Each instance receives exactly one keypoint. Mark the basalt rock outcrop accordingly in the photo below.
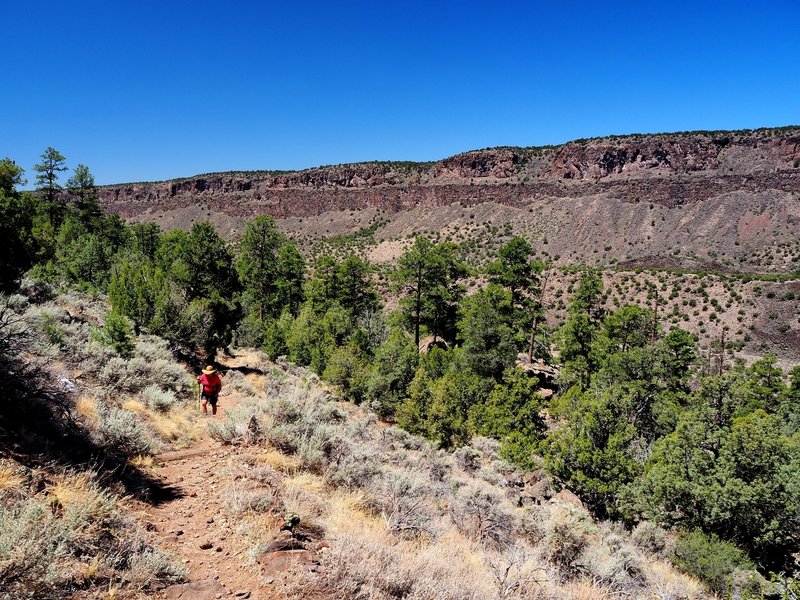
(727, 199)
(670, 169)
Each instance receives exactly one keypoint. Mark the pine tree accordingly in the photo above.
(257, 264)
(427, 277)
(83, 191)
(53, 163)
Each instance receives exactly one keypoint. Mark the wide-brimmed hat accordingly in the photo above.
(209, 370)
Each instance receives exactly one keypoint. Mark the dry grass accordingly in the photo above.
(135, 406)
(11, 477)
(305, 481)
(179, 425)
(283, 463)
(586, 590)
(86, 407)
(142, 462)
(668, 584)
(349, 513)
(75, 491)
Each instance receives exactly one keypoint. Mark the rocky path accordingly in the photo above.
(194, 527)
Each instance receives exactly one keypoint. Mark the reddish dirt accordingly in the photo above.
(194, 525)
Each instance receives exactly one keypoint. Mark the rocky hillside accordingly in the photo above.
(725, 199)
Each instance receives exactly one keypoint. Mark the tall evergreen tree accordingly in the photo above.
(486, 331)
(47, 173)
(11, 176)
(520, 274)
(427, 278)
(257, 264)
(290, 275)
(578, 334)
(355, 290)
(82, 190)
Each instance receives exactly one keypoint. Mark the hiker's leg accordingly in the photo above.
(214, 407)
(205, 404)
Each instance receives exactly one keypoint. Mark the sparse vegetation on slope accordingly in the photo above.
(71, 433)
(407, 520)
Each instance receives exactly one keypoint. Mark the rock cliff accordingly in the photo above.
(670, 169)
(727, 176)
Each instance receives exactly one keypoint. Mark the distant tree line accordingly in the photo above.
(634, 428)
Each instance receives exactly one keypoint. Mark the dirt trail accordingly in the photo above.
(194, 526)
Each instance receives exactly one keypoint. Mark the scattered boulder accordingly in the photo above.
(285, 560)
(546, 373)
(195, 590)
(536, 488)
(283, 544)
(297, 547)
(567, 497)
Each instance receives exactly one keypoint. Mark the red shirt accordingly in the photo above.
(211, 383)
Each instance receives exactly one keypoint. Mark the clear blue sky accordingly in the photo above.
(151, 90)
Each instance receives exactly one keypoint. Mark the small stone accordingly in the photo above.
(206, 546)
(242, 594)
(179, 532)
(218, 549)
(210, 520)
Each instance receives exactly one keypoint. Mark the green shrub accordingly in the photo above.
(51, 329)
(170, 375)
(709, 558)
(158, 399)
(153, 565)
(118, 333)
(565, 532)
(650, 537)
(123, 431)
(125, 375)
(347, 370)
(152, 348)
(137, 373)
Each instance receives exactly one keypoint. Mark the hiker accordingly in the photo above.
(210, 385)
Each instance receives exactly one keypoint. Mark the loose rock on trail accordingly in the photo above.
(193, 524)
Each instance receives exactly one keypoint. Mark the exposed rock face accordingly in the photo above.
(668, 169)
(734, 177)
